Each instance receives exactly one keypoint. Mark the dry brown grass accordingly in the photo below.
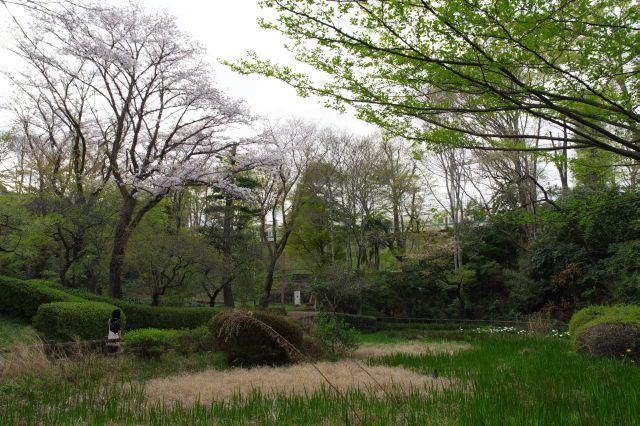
(433, 348)
(24, 358)
(214, 385)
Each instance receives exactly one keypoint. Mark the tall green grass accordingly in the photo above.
(503, 380)
(14, 331)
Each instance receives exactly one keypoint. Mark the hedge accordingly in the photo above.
(142, 316)
(243, 340)
(66, 321)
(607, 331)
(21, 298)
(163, 317)
(359, 322)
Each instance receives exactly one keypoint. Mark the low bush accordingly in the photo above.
(243, 337)
(612, 331)
(21, 298)
(66, 321)
(149, 342)
(335, 336)
(359, 322)
(195, 340)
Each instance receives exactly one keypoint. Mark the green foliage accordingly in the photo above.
(150, 342)
(14, 331)
(242, 336)
(21, 298)
(145, 316)
(454, 47)
(141, 316)
(585, 315)
(275, 310)
(359, 322)
(335, 336)
(67, 321)
(194, 340)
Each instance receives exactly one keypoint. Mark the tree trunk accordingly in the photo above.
(268, 283)
(155, 299)
(120, 240)
(226, 251)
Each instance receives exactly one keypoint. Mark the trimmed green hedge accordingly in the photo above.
(164, 317)
(66, 321)
(359, 322)
(21, 298)
(243, 340)
(142, 316)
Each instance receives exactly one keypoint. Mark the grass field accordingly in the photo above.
(14, 332)
(491, 380)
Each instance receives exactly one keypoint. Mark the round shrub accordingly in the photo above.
(243, 337)
(67, 321)
(21, 298)
(611, 331)
(150, 342)
(610, 340)
(590, 313)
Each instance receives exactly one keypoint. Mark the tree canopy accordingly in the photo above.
(439, 71)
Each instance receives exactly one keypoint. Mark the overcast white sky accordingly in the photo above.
(227, 28)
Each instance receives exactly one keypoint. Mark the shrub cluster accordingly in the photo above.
(66, 321)
(149, 342)
(359, 322)
(194, 340)
(335, 336)
(21, 298)
(153, 342)
(611, 331)
(243, 337)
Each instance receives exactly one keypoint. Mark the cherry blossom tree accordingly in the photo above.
(143, 100)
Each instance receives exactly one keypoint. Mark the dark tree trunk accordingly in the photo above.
(268, 283)
(214, 296)
(120, 240)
